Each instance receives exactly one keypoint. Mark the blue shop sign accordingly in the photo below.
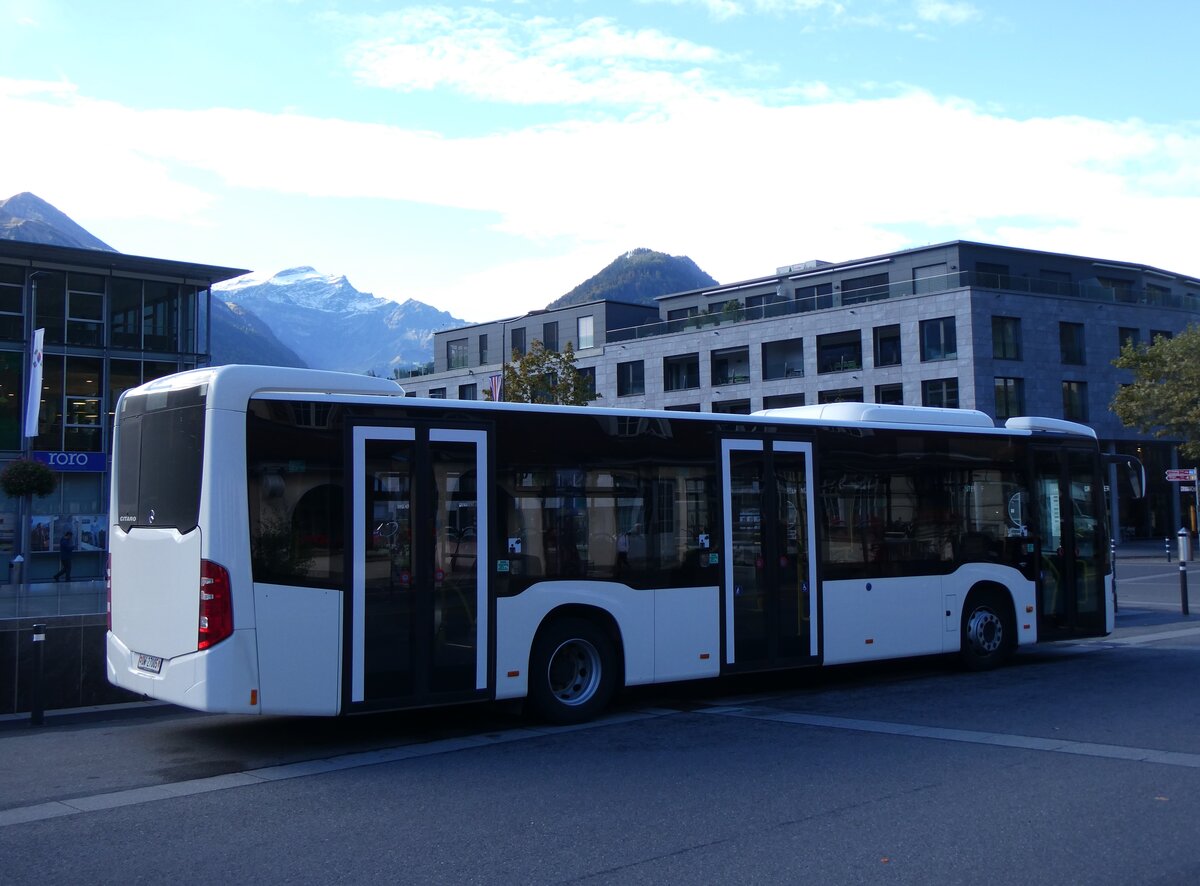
(73, 461)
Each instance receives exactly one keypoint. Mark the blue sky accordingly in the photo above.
(486, 157)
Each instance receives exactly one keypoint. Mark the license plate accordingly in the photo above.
(151, 663)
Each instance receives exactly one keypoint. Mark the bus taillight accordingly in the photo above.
(216, 605)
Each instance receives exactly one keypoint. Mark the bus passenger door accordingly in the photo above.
(1073, 553)
(770, 565)
(419, 611)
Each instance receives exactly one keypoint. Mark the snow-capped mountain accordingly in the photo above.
(331, 325)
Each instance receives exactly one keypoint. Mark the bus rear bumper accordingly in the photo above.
(193, 680)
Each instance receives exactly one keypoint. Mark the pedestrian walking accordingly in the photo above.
(66, 547)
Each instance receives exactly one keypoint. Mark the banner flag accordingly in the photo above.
(495, 381)
(33, 399)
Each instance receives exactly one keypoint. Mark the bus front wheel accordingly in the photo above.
(572, 673)
(988, 631)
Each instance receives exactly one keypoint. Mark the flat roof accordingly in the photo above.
(43, 254)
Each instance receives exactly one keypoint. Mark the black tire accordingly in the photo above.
(989, 631)
(572, 671)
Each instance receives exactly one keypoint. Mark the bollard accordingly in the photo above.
(1185, 544)
(1183, 600)
(36, 712)
(1112, 559)
(1167, 546)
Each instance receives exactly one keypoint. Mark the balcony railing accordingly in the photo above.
(943, 283)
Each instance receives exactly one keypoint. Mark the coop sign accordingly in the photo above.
(72, 461)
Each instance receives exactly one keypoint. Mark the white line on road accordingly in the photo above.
(1149, 638)
(999, 739)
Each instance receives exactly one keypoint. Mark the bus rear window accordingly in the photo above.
(160, 451)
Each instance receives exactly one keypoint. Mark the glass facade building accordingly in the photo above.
(110, 322)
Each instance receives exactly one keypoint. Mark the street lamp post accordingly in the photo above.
(33, 394)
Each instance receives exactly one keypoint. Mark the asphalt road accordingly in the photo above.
(1079, 763)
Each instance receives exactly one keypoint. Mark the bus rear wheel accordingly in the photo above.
(572, 672)
(989, 633)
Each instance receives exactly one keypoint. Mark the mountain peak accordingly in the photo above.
(639, 276)
(29, 218)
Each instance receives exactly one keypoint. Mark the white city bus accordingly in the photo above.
(301, 542)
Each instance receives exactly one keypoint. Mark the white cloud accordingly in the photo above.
(740, 185)
(947, 12)
(490, 56)
(727, 9)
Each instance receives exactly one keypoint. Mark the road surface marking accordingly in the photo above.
(998, 739)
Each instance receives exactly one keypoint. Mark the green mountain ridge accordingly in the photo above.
(639, 276)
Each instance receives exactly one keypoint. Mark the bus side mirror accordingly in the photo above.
(1134, 470)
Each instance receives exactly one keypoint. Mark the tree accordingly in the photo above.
(1164, 398)
(545, 376)
(27, 477)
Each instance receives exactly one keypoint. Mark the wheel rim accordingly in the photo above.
(574, 672)
(985, 631)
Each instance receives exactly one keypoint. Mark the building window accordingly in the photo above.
(1122, 290)
(841, 395)
(12, 287)
(684, 407)
(631, 378)
(731, 366)
(783, 401)
(938, 340)
(437, 393)
(125, 313)
(83, 426)
(517, 337)
(160, 316)
(860, 289)
(468, 392)
(12, 398)
(890, 394)
(1075, 405)
(812, 298)
(1156, 334)
(85, 309)
(783, 359)
(941, 392)
(1006, 338)
(1052, 283)
(1127, 335)
(682, 313)
(991, 275)
(1070, 342)
(1010, 398)
(887, 345)
(731, 407)
(839, 351)
(681, 373)
(587, 381)
(930, 278)
(483, 349)
(456, 354)
(550, 335)
(585, 329)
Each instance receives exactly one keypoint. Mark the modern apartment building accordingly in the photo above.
(1003, 330)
